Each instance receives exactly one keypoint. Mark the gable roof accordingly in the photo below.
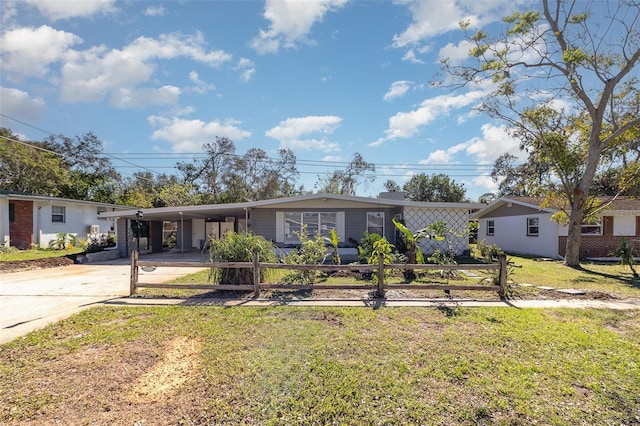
(319, 200)
(618, 204)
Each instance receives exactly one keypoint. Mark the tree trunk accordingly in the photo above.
(572, 251)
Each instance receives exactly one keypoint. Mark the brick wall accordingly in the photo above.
(21, 229)
(597, 246)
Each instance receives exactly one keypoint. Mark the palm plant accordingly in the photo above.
(626, 253)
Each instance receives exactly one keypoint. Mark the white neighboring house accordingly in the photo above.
(519, 225)
(28, 220)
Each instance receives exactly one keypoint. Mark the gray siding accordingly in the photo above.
(263, 222)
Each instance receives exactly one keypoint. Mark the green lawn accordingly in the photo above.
(16, 255)
(355, 366)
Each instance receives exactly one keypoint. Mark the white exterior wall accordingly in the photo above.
(78, 218)
(511, 235)
(4, 221)
(456, 219)
(197, 232)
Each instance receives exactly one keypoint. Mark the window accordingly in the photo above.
(101, 210)
(12, 212)
(491, 227)
(533, 226)
(375, 223)
(314, 221)
(57, 214)
(592, 227)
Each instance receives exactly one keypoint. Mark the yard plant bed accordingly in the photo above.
(357, 366)
(25, 265)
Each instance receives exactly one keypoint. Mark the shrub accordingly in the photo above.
(365, 248)
(312, 251)
(235, 247)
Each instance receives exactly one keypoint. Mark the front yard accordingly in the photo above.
(212, 365)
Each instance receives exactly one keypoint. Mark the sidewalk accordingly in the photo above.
(377, 303)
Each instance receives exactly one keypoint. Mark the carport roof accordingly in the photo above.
(320, 200)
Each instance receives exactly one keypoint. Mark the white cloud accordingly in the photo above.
(427, 24)
(455, 53)
(290, 22)
(494, 142)
(28, 52)
(397, 89)
(155, 10)
(140, 98)
(293, 133)
(90, 75)
(189, 135)
(485, 181)
(16, 103)
(246, 68)
(436, 17)
(56, 9)
(200, 86)
(407, 124)
(410, 56)
(439, 156)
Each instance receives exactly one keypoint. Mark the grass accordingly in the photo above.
(357, 366)
(597, 278)
(17, 255)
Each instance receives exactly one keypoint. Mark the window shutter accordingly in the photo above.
(607, 225)
(279, 227)
(340, 225)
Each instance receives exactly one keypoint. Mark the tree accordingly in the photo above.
(528, 179)
(346, 181)
(92, 177)
(392, 186)
(435, 188)
(29, 167)
(567, 53)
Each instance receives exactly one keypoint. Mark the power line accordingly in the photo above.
(124, 157)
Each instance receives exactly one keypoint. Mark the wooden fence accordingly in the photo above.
(380, 287)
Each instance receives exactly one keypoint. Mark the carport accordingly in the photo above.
(194, 224)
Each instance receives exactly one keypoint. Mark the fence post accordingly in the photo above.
(381, 275)
(133, 282)
(502, 277)
(256, 274)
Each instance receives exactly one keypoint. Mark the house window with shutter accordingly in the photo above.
(315, 222)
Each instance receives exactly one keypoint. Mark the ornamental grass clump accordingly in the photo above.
(234, 247)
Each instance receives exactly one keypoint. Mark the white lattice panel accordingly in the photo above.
(456, 219)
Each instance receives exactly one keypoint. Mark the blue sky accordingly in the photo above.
(325, 78)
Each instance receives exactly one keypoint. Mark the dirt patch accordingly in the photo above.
(26, 265)
(179, 364)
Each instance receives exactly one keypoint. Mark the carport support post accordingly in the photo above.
(381, 275)
(133, 288)
(256, 274)
(502, 277)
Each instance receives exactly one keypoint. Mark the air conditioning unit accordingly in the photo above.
(93, 229)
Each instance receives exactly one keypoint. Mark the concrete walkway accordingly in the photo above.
(428, 303)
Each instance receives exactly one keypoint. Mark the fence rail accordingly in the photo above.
(378, 269)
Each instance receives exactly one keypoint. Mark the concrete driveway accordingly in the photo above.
(33, 299)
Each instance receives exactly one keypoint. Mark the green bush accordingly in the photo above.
(233, 247)
(365, 248)
(312, 251)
